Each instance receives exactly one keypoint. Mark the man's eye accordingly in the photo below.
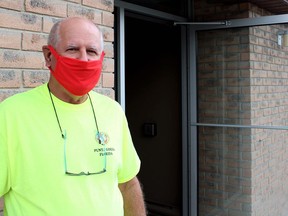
(71, 49)
(92, 52)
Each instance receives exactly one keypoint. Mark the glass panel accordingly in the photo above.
(176, 7)
(242, 80)
(243, 76)
(242, 171)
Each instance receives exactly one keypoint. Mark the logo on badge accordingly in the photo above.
(102, 138)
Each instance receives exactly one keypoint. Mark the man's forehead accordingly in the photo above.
(78, 22)
(74, 35)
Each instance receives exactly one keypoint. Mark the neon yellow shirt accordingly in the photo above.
(32, 173)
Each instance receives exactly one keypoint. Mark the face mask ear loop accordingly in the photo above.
(53, 51)
(102, 55)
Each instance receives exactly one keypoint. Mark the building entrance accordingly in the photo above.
(153, 108)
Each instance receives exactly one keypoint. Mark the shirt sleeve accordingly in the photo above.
(130, 159)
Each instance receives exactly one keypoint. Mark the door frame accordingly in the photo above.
(122, 8)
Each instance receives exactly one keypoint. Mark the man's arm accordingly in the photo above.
(133, 198)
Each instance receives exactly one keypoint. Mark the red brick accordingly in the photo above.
(20, 59)
(10, 39)
(35, 78)
(109, 50)
(108, 80)
(91, 14)
(99, 84)
(105, 91)
(108, 33)
(5, 93)
(75, 1)
(107, 19)
(13, 5)
(10, 79)
(49, 7)
(33, 41)
(107, 5)
(48, 22)
(108, 65)
(24, 21)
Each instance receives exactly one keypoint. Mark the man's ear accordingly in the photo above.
(47, 55)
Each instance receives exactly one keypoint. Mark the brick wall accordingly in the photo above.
(242, 79)
(269, 79)
(24, 29)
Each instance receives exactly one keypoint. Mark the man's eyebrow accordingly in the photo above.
(93, 47)
(71, 46)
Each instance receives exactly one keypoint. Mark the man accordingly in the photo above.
(64, 149)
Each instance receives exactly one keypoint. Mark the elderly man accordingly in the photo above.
(64, 149)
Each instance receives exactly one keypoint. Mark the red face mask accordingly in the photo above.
(76, 76)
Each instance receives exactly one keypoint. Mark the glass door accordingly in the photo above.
(242, 117)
